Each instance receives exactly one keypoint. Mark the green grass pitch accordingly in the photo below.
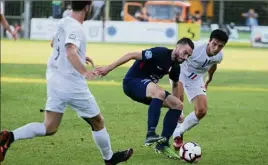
(234, 132)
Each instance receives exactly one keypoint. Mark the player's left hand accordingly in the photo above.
(89, 60)
(102, 70)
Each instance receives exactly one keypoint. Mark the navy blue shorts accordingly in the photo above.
(135, 88)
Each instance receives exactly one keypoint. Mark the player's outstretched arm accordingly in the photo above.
(211, 71)
(73, 57)
(6, 24)
(124, 59)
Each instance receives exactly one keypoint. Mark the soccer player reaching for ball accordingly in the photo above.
(140, 84)
(66, 85)
(204, 59)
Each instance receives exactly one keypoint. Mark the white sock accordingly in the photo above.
(189, 122)
(176, 132)
(178, 124)
(29, 131)
(102, 139)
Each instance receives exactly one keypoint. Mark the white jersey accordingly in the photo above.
(199, 63)
(1, 8)
(61, 75)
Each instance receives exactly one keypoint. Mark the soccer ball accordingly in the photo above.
(190, 152)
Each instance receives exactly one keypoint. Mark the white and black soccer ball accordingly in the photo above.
(190, 152)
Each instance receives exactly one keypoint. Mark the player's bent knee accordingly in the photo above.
(181, 119)
(177, 104)
(201, 112)
(160, 94)
(173, 102)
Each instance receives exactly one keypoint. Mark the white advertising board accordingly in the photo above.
(44, 29)
(94, 31)
(259, 36)
(141, 32)
(114, 31)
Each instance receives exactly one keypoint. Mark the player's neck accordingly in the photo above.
(79, 16)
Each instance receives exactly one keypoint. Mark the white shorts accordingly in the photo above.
(83, 103)
(191, 87)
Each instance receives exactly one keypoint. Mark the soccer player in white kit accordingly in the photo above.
(66, 85)
(5, 23)
(205, 58)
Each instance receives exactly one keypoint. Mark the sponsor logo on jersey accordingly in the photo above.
(148, 54)
(72, 36)
(158, 67)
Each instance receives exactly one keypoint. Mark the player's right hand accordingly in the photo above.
(14, 35)
(90, 75)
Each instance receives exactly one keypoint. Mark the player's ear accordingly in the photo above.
(88, 8)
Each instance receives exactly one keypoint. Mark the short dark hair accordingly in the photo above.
(185, 40)
(80, 5)
(219, 35)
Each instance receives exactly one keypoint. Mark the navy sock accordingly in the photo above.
(153, 115)
(170, 122)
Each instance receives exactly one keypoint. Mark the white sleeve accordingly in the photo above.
(73, 37)
(1, 8)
